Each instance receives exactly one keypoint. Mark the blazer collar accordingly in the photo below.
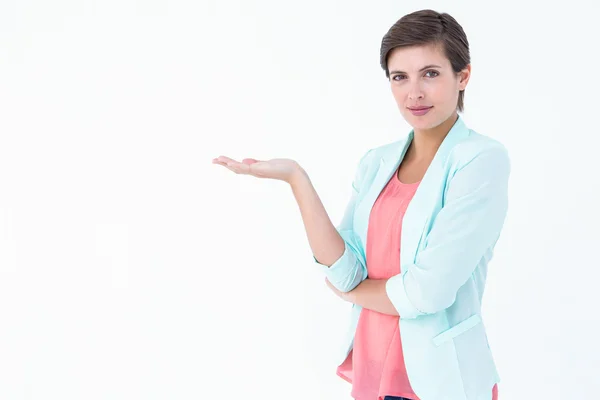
(393, 155)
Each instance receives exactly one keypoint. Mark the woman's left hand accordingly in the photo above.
(342, 295)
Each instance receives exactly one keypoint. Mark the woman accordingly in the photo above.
(412, 249)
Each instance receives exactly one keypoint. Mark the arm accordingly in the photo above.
(335, 250)
(325, 241)
(468, 224)
(339, 249)
(371, 294)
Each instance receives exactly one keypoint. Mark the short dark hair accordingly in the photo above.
(427, 27)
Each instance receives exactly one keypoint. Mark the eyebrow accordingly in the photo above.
(422, 69)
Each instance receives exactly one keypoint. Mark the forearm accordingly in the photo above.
(325, 242)
(371, 294)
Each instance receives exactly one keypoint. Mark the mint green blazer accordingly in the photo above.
(449, 232)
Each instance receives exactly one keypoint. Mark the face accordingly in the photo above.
(424, 85)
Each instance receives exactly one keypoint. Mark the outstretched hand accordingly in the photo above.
(283, 169)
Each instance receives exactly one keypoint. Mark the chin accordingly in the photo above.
(424, 122)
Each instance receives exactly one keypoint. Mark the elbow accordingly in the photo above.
(434, 302)
(348, 282)
(413, 300)
(346, 272)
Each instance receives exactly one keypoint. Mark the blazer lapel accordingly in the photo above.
(388, 164)
(427, 195)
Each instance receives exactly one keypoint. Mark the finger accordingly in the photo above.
(232, 165)
(225, 159)
(221, 161)
(228, 166)
(224, 164)
(329, 284)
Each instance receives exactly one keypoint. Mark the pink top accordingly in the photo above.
(375, 366)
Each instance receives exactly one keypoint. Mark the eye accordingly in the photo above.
(435, 73)
(398, 76)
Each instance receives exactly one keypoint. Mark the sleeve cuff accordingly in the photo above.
(396, 292)
(345, 273)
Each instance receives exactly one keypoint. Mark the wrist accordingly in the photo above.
(297, 176)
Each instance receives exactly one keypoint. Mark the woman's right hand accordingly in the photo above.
(283, 169)
(325, 241)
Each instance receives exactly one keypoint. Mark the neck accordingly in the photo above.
(426, 141)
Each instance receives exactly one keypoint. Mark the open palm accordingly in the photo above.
(283, 169)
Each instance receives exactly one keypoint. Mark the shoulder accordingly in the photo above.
(370, 161)
(375, 154)
(478, 164)
(481, 148)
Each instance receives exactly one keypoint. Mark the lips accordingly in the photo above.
(418, 111)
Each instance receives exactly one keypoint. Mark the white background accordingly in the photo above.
(133, 268)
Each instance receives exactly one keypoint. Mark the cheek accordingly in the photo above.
(443, 93)
(401, 99)
(435, 90)
(398, 93)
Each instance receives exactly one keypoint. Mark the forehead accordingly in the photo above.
(413, 58)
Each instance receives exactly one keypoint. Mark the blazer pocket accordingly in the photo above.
(457, 329)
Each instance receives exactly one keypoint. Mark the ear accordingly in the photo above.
(464, 76)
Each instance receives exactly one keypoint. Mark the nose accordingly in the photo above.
(415, 92)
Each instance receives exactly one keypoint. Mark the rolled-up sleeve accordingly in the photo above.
(350, 269)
